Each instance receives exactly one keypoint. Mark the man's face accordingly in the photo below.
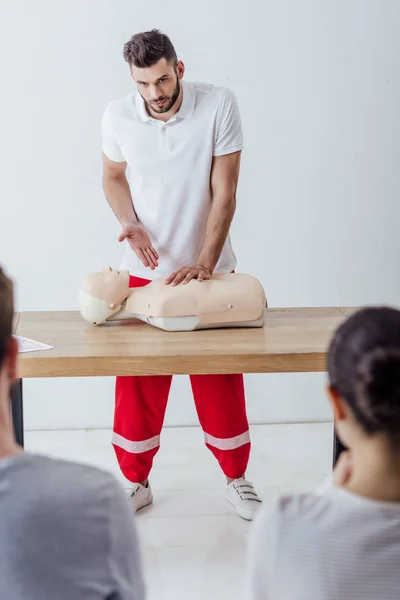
(159, 85)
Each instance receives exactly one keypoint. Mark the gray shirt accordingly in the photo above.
(66, 533)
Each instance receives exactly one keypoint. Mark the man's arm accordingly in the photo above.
(224, 180)
(118, 194)
(117, 191)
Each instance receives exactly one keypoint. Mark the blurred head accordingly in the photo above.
(8, 344)
(364, 376)
(155, 69)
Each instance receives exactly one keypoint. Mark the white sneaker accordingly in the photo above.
(141, 496)
(242, 495)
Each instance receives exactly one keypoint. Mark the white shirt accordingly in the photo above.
(169, 167)
(335, 546)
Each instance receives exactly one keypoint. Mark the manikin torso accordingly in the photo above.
(226, 300)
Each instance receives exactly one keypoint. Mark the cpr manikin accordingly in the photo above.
(226, 300)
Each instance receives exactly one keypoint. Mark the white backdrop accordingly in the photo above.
(318, 203)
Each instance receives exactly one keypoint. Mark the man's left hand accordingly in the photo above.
(186, 274)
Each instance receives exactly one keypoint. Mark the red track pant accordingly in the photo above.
(140, 405)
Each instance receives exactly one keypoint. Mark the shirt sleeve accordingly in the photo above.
(260, 578)
(229, 135)
(125, 558)
(110, 144)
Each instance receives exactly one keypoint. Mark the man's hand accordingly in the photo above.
(140, 242)
(343, 470)
(186, 274)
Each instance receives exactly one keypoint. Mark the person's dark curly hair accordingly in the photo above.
(364, 368)
(146, 49)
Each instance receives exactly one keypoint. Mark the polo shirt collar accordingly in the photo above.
(188, 101)
(186, 110)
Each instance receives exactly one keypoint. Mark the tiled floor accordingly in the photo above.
(193, 545)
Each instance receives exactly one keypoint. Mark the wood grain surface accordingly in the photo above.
(293, 340)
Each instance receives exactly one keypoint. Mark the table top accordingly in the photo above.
(292, 340)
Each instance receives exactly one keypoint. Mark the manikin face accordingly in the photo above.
(159, 85)
(108, 284)
(112, 277)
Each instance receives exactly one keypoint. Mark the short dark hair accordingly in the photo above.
(364, 368)
(6, 314)
(147, 48)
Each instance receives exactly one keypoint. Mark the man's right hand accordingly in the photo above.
(139, 240)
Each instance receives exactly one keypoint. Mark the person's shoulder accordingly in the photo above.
(295, 506)
(291, 508)
(71, 482)
(214, 93)
(123, 107)
(288, 519)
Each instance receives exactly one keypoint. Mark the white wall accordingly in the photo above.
(318, 86)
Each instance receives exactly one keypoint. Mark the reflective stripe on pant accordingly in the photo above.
(140, 405)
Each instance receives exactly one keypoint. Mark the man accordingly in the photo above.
(171, 157)
(66, 531)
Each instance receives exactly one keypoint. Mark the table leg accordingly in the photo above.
(17, 408)
(337, 448)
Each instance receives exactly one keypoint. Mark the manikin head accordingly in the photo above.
(8, 354)
(102, 294)
(364, 378)
(156, 71)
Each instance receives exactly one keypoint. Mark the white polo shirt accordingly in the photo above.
(168, 170)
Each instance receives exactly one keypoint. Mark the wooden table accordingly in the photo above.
(293, 340)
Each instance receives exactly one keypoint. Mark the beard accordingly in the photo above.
(170, 101)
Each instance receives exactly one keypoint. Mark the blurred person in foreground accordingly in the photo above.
(66, 530)
(344, 541)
